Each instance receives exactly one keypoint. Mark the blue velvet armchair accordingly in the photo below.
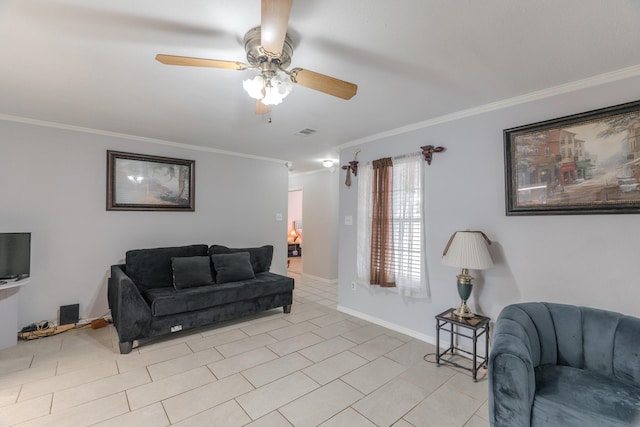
(562, 365)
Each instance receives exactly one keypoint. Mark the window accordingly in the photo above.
(407, 251)
(407, 220)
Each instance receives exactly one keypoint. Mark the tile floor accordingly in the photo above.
(312, 367)
(294, 264)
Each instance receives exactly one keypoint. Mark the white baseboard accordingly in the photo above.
(319, 279)
(410, 332)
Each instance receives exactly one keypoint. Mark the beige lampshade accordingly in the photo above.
(468, 249)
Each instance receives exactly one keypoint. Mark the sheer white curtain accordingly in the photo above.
(408, 226)
(364, 224)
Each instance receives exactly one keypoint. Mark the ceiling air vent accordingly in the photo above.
(306, 132)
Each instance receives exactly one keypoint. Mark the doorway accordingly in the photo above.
(294, 232)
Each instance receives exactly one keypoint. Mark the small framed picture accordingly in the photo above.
(137, 182)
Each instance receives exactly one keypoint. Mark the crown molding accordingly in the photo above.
(613, 76)
(313, 172)
(63, 126)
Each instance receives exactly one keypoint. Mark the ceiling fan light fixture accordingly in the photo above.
(276, 89)
(254, 87)
(270, 90)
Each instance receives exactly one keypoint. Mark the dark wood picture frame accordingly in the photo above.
(138, 182)
(587, 163)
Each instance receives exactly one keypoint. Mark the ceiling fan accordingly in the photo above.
(269, 50)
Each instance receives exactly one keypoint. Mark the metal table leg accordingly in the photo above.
(437, 343)
(475, 356)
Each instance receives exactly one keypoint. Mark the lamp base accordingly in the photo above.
(464, 311)
(464, 291)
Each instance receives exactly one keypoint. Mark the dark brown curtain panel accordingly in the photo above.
(382, 224)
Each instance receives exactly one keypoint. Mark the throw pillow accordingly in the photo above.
(189, 272)
(232, 267)
(260, 257)
(151, 268)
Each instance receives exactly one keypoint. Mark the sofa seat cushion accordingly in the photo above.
(167, 301)
(567, 396)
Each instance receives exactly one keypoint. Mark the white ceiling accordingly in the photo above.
(90, 63)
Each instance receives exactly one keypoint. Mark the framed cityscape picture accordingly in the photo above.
(137, 182)
(587, 163)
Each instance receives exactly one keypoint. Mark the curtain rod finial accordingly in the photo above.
(428, 150)
(351, 167)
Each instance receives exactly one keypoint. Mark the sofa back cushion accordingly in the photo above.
(151, 268)
(567, 321)
(260, 257)
(532, 324)
(598, 334)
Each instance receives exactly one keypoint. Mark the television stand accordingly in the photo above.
(9, 312)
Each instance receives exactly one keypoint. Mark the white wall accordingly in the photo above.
(320, 223)
(53, 184)
(579, 259)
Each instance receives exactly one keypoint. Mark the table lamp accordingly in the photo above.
(467, 250)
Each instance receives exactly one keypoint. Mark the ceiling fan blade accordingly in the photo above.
(200, 62)
(322, 83)
(261, 108)
(273, 26)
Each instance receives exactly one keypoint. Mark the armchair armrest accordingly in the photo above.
(130, 312)
(512, 382)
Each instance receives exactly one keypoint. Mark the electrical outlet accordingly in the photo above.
(353, 286)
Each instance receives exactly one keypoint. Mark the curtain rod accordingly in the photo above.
(427, 153)
(401, 156)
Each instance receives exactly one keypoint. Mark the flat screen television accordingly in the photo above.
(15, 255)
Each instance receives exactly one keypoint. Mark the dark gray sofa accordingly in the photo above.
(562, 365)
(163, 290)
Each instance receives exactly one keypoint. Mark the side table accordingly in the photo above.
(474, 327)
(294, 249)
